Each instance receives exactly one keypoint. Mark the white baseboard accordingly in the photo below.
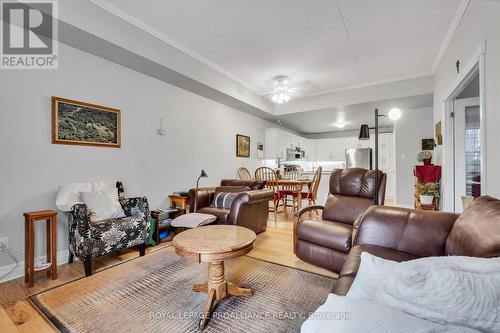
(62, 258)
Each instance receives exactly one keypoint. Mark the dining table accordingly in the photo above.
(298, 184)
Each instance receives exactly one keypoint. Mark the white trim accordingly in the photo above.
(62, 258)
(449, 35)
(164, 38)
(370, 84)
(477, 62)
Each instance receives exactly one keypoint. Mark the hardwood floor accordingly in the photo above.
(18, 315)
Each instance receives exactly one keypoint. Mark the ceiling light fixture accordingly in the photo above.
(394, 114)
(281, 96)
(281, 92)
(340, 125)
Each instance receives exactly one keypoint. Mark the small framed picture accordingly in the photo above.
(80, 123)
(427, 144)
(242, 145)
(260, 150)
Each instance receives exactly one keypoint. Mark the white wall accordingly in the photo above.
(481, 22)
(200, 135)
(413, 126)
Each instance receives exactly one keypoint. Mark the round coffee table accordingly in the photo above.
(214, 244)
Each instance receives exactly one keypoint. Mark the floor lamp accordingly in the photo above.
(364, 134)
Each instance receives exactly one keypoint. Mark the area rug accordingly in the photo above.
(153, 294)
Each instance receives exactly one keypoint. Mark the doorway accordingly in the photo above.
(466, 124)
(464, 141)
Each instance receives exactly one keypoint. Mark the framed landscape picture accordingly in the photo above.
(79, 123)
(242, 145)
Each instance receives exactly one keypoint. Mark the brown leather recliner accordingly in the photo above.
(327, 242)
(401, 234)
(249, 209)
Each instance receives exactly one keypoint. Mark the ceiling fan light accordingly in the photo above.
(280, 98)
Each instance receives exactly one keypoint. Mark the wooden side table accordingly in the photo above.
(180, 202)
(30, 218)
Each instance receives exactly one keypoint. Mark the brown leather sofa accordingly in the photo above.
(404, 234)
(327, 242)
(249, 209)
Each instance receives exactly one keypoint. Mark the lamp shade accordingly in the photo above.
(364, 132)
(203, 174)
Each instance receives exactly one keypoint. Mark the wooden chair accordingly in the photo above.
(286, 191)
(243, 174)
(312, 192)
(268, 174)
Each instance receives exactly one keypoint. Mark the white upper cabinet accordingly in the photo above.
(277, 141)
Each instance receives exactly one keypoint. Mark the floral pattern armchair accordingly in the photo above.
(88, 240)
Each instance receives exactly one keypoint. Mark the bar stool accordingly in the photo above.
(30, 218)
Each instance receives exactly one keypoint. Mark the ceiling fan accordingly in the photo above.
(281, 90)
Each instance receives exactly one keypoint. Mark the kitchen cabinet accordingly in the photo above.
(324, 150)
(277, 141)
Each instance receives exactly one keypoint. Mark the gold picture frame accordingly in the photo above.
(242, 145)
(85, 124)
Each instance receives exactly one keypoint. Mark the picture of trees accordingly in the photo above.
(82, 123)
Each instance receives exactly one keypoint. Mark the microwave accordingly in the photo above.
(295, 154)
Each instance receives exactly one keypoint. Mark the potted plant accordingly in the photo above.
(425, 156)
(427, 192)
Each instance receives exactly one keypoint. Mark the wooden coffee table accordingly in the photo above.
(214, 244)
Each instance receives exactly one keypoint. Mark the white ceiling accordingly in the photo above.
(323, 121)
(322, 45)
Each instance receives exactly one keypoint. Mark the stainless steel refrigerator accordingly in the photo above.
(358, 158)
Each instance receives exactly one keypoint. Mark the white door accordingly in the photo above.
(467, 149)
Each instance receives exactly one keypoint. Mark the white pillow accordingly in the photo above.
(192, 220)
(344, 314)
(69, 194)
(103, 205)
(372, 274)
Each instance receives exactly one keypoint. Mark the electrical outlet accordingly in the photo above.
(4, 243)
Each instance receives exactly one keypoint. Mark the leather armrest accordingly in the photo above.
(297, 218)
(300, 212)
(200, 197)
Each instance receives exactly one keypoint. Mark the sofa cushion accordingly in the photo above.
(220, 213)
(345, 209)
(476, 233)
(333, 235)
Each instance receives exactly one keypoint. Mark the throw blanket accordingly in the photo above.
(462, 291)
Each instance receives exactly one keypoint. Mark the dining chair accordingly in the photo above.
(312, 192)
(244, 174)
(289, 190)
(268, 174)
